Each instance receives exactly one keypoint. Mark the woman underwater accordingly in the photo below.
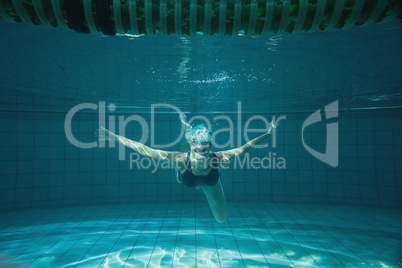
(200, 167)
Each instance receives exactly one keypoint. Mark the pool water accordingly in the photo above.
(67, 205)
(185, 235)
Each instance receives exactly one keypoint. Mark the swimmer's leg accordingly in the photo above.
(217, 201)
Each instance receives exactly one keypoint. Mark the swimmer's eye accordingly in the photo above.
(202, 150)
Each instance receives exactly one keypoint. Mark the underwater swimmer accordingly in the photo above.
(200, 167)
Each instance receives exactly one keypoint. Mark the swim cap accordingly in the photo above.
(198, 134)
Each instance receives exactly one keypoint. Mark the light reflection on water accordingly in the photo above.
(280, 73)
(189, 242)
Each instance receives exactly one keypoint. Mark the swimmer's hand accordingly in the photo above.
(104, 134)
(183, 119)
(274, 124)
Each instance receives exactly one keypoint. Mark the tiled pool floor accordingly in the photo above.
(185, 235)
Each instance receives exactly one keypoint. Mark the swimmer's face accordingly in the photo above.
(202, 150)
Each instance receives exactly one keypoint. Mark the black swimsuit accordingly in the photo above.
(191, 180)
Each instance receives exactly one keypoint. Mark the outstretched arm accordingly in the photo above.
(137, 146)
(230, 155)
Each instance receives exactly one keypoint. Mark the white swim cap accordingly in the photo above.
(198, 135)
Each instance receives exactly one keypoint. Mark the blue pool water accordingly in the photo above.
(184, 235)
(326, 192)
